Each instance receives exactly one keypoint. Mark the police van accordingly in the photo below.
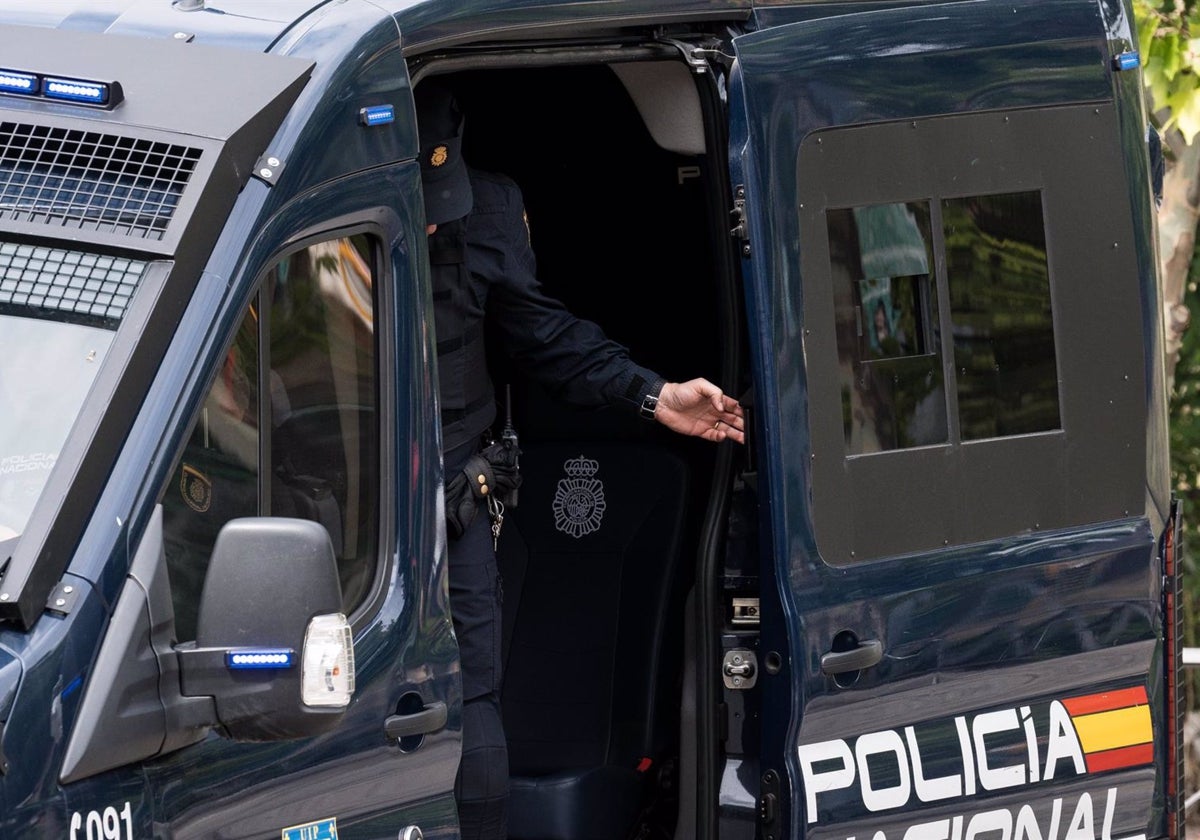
(933, 596)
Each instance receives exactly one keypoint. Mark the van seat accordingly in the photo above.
(588, 562)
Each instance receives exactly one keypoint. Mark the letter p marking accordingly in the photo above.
(826, 766)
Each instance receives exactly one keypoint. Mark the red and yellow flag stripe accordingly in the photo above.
(1114, 728)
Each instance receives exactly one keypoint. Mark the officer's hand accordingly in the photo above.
(698, 407)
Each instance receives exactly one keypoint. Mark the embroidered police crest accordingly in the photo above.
(439, 156)
(196, 489)
(579, 499)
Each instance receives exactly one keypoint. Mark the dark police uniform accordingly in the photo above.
(483, 264)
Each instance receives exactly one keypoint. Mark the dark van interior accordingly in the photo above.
(599, 557)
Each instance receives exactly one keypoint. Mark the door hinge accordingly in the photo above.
(740, 669)
(738, 214)
(699, 57)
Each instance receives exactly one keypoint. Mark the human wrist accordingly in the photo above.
(648, 404)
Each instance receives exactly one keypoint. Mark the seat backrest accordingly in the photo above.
(589, 563)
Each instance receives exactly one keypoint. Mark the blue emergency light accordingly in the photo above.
(377, 115)
(256, 659)
(26, 84)
(75, 90)
(60, 88)
(1127, 61)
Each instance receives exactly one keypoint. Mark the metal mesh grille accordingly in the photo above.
(88, 288)
(90, 180)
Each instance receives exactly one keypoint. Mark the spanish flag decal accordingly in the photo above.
(1114, 728)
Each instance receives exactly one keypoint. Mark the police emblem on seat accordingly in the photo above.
(579, 499)
(196, 489)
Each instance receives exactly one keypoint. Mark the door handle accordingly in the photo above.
(868, 653)
(431, 718)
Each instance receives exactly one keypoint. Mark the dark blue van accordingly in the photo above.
(933, 597)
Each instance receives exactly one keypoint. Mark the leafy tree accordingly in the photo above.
(1171, 71)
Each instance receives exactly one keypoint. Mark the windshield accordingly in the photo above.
(46, 369)
(59, 310)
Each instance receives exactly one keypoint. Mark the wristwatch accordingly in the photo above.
(648, 406)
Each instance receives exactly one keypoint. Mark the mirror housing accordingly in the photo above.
(272, 647)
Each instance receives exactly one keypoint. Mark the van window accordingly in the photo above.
(889, 353)
(289, 425)
(889, 337)
(59, 311)
(999, 286)
(973, 343)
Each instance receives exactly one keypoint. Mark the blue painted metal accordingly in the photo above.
(285, 776)
(993, 624)
(957, 598)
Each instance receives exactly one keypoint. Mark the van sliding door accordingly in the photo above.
(955, 374)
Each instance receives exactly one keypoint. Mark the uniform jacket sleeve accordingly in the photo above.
(570, 356)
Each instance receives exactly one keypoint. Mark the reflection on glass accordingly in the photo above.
(893, 395)
(217, 476)
(894, 314)
(58, 311)
(318, 396)
(46, 370)
(325, 450)
(1007, 376)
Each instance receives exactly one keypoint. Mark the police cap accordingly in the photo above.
(443, 174)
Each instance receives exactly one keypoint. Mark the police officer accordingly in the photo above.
(482, 262)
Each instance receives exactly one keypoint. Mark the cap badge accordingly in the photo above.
(439, 156)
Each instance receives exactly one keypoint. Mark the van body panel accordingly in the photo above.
(339, 775)
(435, 24)
(332, 40)
(945, 531)
(862, 742)
(52, 663)
(260, 22)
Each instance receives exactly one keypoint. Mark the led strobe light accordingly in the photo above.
(1127, 61)
(76, 90)
(253, 659)
(14, 82)
(377, 115)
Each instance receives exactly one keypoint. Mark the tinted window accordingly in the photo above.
(887, 332)
(217, 478)
(289, 425)
(972, 350)
(325, 452)
(1007, 376)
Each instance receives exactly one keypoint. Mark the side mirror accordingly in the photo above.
(273, 648)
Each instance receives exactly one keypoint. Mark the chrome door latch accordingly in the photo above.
(740, 669)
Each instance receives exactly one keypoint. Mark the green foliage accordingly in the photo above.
(1185, 467)
(1171, 70)
(1171, 60)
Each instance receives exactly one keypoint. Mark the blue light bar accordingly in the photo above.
(255, 659)
(75, 90)
(14, 82)
(377, 115)
(106, 95)
(1127, 61)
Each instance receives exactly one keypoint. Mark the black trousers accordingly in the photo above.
(481, 789)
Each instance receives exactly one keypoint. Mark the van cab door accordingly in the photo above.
(316, 405)
(953, 311)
